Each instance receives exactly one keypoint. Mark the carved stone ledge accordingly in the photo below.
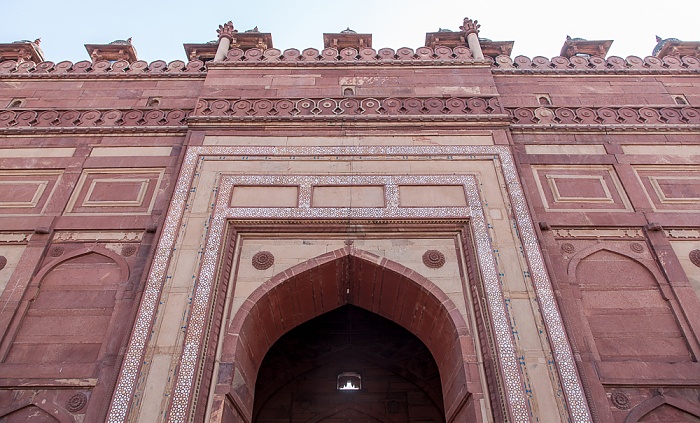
(573, 233)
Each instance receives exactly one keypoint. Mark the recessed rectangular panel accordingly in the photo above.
(580, 188)
(432, 196)
(130, 151)
(21, 193)
(671, 188)
(115, 191)
(264, 196)
(348, 196)
(26, 192)
(23, 153)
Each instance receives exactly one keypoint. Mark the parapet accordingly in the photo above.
(443, 48)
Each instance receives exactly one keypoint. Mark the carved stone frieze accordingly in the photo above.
(66, 236)
(14, 237)
(587, 117)
(94, 119)
(625, 233)
(346, 107)
(683, 233)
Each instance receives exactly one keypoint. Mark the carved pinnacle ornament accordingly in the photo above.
(470, 27)
(226, 30)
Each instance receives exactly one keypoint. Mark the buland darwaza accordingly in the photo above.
(439, 234)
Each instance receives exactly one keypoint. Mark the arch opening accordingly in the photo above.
(398, 381)
(349, 277)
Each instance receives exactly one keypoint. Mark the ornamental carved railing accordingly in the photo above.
(367, 56)
(92, 118)
(594, 116)
(612, 64)
(103, 67)
(348, 107)
(308, 56)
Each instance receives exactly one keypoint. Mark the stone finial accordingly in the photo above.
(226, 30)
(470, 27)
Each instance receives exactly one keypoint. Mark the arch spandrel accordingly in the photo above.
(324, 283)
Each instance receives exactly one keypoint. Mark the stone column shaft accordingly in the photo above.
(475, 46)
(222, 50)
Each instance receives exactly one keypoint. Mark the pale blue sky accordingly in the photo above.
(160, 28)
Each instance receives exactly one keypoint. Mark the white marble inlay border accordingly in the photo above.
(126, 383)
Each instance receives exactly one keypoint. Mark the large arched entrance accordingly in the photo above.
(348, 365)
(333, 280)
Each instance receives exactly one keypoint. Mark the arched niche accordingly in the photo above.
(627, 314)
(67, 318)
(356, 277)
(35, 412)
(664, 408)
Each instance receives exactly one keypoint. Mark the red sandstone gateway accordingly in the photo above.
(439, 234)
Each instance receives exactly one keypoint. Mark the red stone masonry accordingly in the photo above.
(610, 167)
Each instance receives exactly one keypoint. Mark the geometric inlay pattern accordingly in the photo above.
(186, 375)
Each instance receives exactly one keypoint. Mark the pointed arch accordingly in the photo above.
(57, 413)
(628, 314)
(657, 401)
(88, 279)
(94, 249)
(589, 251)
(357, 277)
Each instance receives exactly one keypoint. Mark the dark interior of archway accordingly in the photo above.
(297, 381)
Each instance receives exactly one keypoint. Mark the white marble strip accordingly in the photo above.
(135, 352)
